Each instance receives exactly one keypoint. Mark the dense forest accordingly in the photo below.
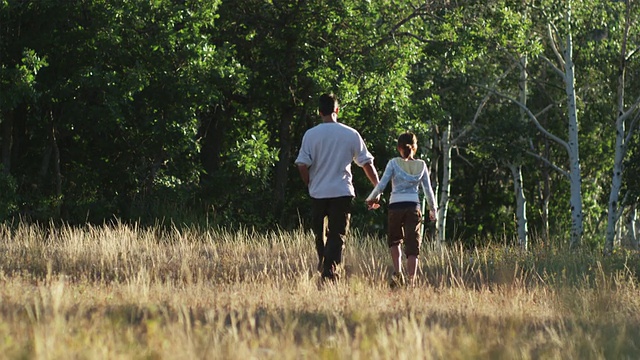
(193, 111)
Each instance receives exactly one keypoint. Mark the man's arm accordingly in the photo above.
(371, 172)
(304, 173)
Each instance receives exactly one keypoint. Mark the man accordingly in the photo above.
(324, 163)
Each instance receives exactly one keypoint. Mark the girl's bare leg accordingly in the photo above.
(412, 268)
(396, 258)
(397, 279)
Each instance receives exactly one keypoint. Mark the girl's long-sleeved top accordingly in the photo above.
(406, 176)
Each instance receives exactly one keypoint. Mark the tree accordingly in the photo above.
(625, 127)
(563, 52)
(114, 118)
(292, 52)
(462, 45)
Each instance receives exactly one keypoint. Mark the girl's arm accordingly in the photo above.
(428, 191)
(384, 180)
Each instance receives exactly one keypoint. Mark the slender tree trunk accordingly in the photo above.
(435, 182)
(284, 161)
(516, 169)
(546, 200)
(7, 141)
(545, 189)
(445, 185)
(56, 168)
(573, 145)
(44, 164)
(617, 242)
(447, 144)
(632, 225)
(521, 206)
(58, 175)
(616, 184)
(621, 146)
(212, 134)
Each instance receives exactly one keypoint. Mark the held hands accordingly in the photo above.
(373, 203)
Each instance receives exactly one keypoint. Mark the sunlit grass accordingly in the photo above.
(124, 291)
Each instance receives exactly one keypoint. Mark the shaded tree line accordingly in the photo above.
(193, 111)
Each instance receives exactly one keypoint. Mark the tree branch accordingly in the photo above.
(633, 108)
(621, 205)
(554, 44)
(462, 157)
(632, 126)
(533, 117)
(549, 163)
(418, 11)
(484, 101)
(417, 37)
(552, 65)
(632, 53)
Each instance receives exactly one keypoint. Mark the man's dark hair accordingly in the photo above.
(327, 104)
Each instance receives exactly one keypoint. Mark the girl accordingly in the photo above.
(405, 216)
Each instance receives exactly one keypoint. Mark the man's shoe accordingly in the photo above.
(330, 278)
(332, 274)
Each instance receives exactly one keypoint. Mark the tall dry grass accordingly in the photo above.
(126, 292)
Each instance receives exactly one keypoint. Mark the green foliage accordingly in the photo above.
(253, 156)
(119, 94)
(141, 109)
(19, 81)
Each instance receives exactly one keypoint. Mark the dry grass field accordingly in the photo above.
(127, 292)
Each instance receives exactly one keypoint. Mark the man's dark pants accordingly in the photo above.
(337, 211)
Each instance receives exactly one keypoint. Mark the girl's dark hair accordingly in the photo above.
(327, 104)
(407, 143)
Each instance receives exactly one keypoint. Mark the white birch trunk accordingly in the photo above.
(447, 144)
(546, 198)
(617, 242)
(616, 184)
(435, 182)
(521, 205)
(445, 185)
(575, 178)
(571, 145)
(633, 230)
(516, 170)
(545, 187)
(621, 146)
